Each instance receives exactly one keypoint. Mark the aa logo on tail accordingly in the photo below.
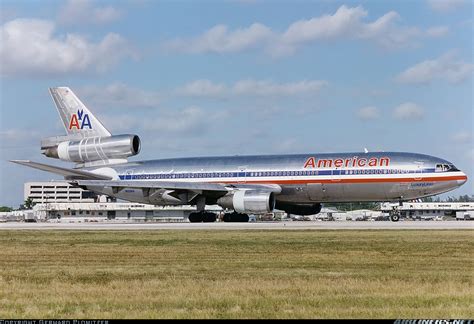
(80, 121)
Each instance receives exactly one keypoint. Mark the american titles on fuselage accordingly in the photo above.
(353, 162)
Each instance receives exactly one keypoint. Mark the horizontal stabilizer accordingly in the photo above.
(66, 173)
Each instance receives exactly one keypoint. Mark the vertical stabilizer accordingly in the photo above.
(77, 119)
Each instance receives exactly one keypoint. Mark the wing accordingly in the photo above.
(197, 187)
(119, 185)
(185, 191)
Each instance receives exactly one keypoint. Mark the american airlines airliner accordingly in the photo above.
(297, 184)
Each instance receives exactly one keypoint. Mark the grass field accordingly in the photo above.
(237, 274)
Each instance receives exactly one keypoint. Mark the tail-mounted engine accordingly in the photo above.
(95, 150)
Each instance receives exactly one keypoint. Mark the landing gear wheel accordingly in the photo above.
(394, 218)
(195, 217)
(209, 217)
(198, 217)
(236, 217)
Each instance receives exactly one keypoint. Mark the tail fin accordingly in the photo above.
(77, 119)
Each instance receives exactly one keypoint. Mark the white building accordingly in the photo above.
(58, 191)
(428, 210)
(91, 212)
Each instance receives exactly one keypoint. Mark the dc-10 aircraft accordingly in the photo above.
(297, 184)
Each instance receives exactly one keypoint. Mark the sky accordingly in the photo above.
(205, 78)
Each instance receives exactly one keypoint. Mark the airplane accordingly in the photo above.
(298, 184)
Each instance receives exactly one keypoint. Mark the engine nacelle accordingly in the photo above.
(299, 209)
(248, 201)
(93, 149)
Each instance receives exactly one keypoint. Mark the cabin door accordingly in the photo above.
(418, 171)
(242, 174)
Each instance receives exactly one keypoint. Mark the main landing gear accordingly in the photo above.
(207, 217)
(199, 217)
(236, 217)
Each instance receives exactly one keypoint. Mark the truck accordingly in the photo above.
(464, 215)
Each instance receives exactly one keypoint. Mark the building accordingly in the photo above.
(95, 212)
(428, 210)
(58, 192)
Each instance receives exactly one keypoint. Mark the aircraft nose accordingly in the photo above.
(462, 180)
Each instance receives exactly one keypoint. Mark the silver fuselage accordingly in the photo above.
(303, 178)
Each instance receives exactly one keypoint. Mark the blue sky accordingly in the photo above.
(241, 77)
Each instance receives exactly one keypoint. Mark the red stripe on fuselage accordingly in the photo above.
(339, 180)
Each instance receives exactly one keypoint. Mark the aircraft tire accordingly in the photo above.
(209, 217)
(236, 218)
(195, 217)
(395, 218)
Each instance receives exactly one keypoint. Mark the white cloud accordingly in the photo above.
(219, 40)
(206, 88)
(437, 31)
(14, 134)
(345, 23)
(446, 5)
(190, 120)
(29, 47)
(462, 137)
(82, 12)
(340, 24)
(270, 88)
(185, 121)
(12, 138)
(202, 88)
(121, 95)
(408, 111)
(470, 154)
(368, 113)
(445, 67)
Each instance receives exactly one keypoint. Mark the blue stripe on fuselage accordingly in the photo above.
(259, 174)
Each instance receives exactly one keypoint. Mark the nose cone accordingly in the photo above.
(462, 179)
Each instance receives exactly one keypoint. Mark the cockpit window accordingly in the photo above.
(446, 168)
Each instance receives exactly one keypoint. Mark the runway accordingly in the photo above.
(424, 225)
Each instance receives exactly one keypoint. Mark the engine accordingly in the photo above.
(248, 201)
(299, 209)
(92, 149)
